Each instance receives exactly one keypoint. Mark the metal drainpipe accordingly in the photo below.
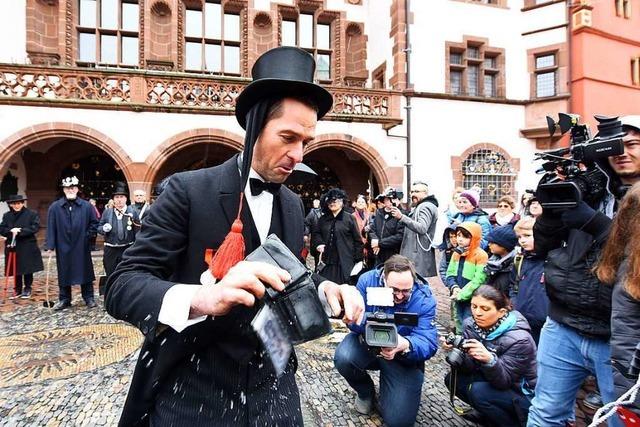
(408, 98)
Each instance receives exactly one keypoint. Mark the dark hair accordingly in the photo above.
(275, 109)
(464, 232)
(490, 293)
(399, 264)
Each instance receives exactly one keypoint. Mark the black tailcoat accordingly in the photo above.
(28, 256)
(214, 369)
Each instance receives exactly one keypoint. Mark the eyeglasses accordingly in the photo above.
(403, 292)
(418, 191)
(504, 206)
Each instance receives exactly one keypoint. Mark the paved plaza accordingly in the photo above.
(73, 368)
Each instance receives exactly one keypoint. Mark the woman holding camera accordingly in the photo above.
(496, 367)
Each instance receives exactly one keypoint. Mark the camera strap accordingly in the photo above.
(452, 393)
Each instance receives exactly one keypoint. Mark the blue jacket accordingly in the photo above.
(424, 337)
(479, 217)
(527, 292)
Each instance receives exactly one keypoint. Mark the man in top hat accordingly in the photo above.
(19, 226)
(71, 222)
(201, 364)
(119, 226)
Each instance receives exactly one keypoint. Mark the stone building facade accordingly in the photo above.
(453, 92)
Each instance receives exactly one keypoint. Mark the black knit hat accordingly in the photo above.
(503, 236)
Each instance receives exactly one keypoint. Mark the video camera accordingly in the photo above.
(381, 329)
(582, 178)
(455, 358)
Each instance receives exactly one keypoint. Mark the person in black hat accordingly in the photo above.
(20, 226)
(119, 226)
(201, 364)
(71, 222)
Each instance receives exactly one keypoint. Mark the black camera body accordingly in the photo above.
(582, 178)
(455, 358)
(381, 329)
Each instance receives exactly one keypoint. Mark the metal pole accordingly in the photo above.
(407, 97)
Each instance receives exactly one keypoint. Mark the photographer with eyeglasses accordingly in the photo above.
(401, 367)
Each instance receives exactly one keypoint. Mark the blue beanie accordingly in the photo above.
(503, 236)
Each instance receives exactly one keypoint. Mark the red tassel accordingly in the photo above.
(231, 251)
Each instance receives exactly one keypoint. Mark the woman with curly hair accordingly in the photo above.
(336, 237)
(620, 266)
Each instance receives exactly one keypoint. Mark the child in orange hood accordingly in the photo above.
(466, 273)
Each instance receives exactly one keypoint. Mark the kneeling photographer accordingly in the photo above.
(579, 200)
(493, 365)
(398, 335)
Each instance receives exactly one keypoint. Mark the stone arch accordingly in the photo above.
(182, 140)
(27, 136)
(382, 172)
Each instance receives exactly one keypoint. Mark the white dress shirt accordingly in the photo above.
(176, 303)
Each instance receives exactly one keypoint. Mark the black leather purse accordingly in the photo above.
(297, 308)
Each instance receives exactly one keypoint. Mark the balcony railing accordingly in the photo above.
(167, 92)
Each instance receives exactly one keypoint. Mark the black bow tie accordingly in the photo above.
(257, 186)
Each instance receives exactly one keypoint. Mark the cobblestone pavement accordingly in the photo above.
(73, 368)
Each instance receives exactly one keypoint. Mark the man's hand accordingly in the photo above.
(578, 216)
(15, 230)
(454, 293)
(345, 299)
(320, 248)
(243, 283)
(396, 213)
(376, 250)
(389, 353)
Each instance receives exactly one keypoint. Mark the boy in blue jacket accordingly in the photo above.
(401, 367)
(527, 293)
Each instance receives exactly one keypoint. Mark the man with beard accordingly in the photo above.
(419, 228)
(201, 363)
(71, 222)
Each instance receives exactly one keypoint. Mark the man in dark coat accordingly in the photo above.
(310, 222)
(22, 225)
(386, 230)
(201, 364)
(71, 222)
(119, 226)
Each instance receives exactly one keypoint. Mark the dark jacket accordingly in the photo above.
(446, 251)
(499, 271)
(28, 256)
(515, 352)
(221, 354)
(576, 297)
(389, 231)
(70, 227)
(424, 336)
(625, 335)
(343, 245)
(527, 289)
(131, 224)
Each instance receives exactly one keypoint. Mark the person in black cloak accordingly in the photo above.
(22, 224)
(337, 237)
(201, 364)
(71, 223)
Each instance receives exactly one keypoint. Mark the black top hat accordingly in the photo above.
(121, 189)
(15, 198)
(280, 72)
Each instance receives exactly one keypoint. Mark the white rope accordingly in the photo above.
(610, 408)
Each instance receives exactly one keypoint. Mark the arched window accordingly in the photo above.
(492, 172)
